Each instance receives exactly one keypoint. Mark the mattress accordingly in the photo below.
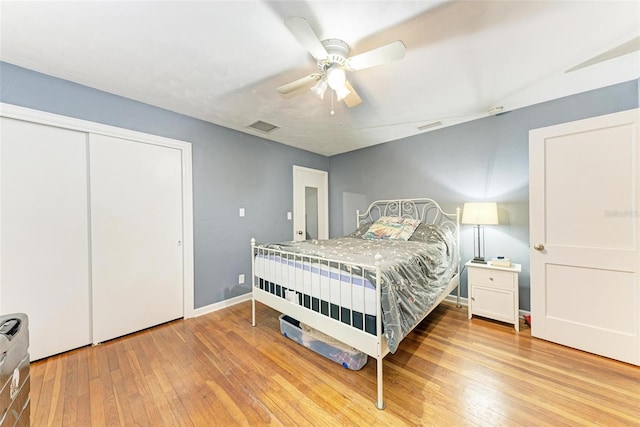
(414, 274)
(341, 295)
(317, 280)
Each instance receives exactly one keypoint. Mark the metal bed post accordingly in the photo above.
(253, 282)
(378, 261)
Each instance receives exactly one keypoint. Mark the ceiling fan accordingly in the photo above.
(333, 61)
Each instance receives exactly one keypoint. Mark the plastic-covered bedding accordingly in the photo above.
(413, 273)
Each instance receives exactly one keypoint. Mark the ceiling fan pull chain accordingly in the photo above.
(332, 112)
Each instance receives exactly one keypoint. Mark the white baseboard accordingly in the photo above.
(222, 304)
(453, 298)
(247, 297)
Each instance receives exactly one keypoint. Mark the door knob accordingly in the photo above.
(538, 247)
(300, 232)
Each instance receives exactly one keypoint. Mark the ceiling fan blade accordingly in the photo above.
(623, 49)
(297, 84)
(305, 35)
(388, 53)
(353, 98)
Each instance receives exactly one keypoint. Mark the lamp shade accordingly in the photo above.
(480, 213)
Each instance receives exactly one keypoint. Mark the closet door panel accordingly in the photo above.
(136, 235)
(44, 230)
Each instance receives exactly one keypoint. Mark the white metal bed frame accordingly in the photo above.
(376, 346)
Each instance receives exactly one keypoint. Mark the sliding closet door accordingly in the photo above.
(136, 235)
(44, 230)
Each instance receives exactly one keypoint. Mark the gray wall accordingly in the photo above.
(230, 170)
(486, 159)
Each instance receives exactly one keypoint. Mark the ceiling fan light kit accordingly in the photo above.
(333, 61)
(336, 77)
(342, 93)
(320, 88)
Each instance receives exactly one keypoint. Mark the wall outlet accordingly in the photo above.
(241, 279)
(241, 211)
(289, 216)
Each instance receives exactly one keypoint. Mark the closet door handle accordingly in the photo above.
(539, 247)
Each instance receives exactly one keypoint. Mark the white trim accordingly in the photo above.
(323, 218)
(51, 119)
(452, 298)
(221, 305)
(56, 120)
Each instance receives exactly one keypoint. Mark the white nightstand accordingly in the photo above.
(493, 292)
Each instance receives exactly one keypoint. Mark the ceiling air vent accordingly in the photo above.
(263, 126)
(430, 125)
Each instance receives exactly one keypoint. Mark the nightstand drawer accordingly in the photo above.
(494, 278)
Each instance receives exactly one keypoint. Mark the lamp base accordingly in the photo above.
(479, 261)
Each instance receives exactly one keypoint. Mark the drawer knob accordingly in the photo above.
(491, 278)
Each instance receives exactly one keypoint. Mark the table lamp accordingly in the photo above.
(479, 214)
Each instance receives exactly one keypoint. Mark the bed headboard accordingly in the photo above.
(426, 210)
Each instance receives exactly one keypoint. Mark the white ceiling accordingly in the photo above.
(221, 61)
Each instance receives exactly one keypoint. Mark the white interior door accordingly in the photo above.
(136, 235)
(585, 215)
(44, 233)
(310, 204)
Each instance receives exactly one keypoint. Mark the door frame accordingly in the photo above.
(45, 118)
(299, 181)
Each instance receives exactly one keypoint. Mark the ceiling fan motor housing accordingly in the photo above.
(338, 52)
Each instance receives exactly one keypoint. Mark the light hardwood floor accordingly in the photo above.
(218, 370)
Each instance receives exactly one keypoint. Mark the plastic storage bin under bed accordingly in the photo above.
(351, 359)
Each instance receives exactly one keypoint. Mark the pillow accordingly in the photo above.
(391, 228)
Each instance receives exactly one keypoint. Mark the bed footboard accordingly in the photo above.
(324, 295)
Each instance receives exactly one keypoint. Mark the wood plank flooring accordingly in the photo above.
(217, 370)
